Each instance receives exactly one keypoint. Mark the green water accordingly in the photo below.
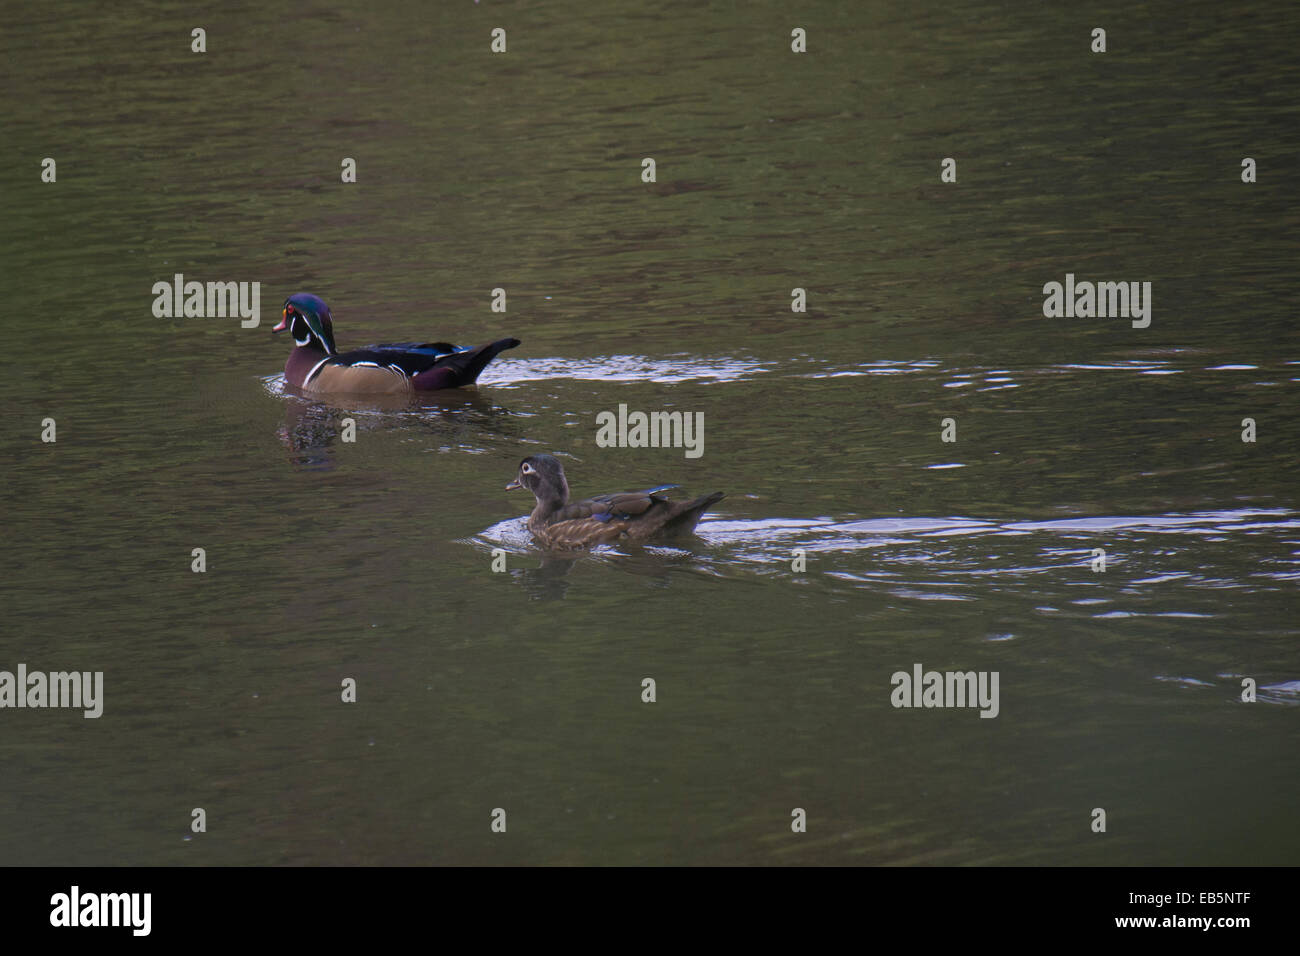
(372, 559)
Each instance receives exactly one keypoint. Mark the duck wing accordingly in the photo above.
(624, 505)
(410, 358)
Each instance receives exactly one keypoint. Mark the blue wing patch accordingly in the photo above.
(418, 348)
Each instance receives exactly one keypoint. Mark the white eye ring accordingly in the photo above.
(527, 469)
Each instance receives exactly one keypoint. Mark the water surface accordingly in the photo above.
(522, 690)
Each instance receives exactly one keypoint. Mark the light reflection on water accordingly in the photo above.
(768, 542)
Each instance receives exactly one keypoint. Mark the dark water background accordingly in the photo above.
(521, 690)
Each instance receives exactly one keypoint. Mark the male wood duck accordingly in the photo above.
(315, 365)
(556, 523)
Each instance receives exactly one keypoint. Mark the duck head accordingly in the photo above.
(543, 475)
(307, 318)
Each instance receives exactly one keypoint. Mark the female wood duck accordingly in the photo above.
(636, 515)
(315, 365)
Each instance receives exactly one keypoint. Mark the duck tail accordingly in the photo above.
(684, 521)
(462, 368)
(477, 359)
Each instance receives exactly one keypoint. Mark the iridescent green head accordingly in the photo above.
(307, 318)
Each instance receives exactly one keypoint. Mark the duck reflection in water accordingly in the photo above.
(312, 426)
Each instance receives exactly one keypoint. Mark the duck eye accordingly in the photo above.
(527, 469)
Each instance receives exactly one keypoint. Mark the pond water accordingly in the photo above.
(522, 689)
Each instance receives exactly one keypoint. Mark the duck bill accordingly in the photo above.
(284, 322)
(514, 485)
